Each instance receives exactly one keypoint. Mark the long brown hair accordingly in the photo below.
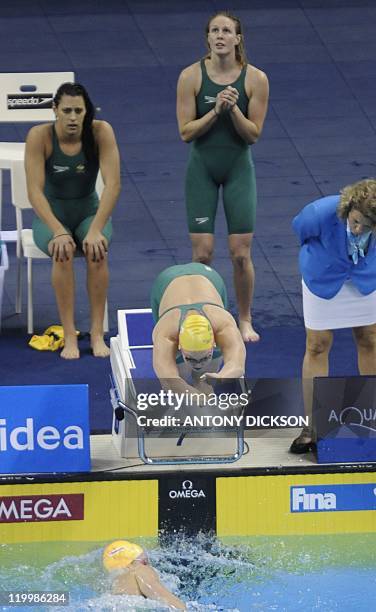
(88, 142)
(240, 52)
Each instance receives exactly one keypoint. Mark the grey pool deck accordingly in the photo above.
(264, 449)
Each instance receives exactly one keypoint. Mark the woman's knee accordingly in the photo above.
(65, 265)
(240, 255)
(204, 257)
(318, 343)
(97, 266)
(240, 249)
(365, 337)
(202, 250)
(240, 260)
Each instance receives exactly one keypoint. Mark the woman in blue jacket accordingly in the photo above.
(338, 265)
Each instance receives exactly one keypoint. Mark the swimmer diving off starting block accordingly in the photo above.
(195, 344)
(194, 334)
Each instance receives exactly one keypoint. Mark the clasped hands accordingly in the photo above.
(226, 99)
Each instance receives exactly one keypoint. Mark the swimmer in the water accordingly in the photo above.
(134, 575)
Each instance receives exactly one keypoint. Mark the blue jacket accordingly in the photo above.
(324, 261)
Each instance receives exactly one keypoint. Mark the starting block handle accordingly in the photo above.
(194, 459)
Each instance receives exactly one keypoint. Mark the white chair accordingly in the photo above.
(25, 97)
(26, 247)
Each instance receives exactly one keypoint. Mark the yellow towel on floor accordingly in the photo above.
(51, 340)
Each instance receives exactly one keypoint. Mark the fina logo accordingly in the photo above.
(48, 438)
(187, 490)
(351, 416)
(312, 502)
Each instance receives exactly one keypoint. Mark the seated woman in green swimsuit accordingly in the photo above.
(221, 106)
(194, 332)
(62, 161)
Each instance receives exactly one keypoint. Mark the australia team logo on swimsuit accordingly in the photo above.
(80, 168)
(210, 100)
(59, 169)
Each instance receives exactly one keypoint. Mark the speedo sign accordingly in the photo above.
(44, 428)
(29, 100)
(37, 508)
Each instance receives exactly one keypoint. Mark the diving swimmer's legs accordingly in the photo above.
(97, 285)
(63, 284)
(244, 281)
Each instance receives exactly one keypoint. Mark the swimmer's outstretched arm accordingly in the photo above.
(164, 364)
(151, 587)
(231, 343)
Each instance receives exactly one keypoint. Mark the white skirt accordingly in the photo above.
(349, 308)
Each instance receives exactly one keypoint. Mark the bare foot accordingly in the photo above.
(247, 331)
(99, 347)
(70, 350)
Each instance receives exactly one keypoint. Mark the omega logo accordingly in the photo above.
(186, 491)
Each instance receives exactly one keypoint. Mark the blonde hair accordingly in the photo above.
(360, 196)
(240, 52)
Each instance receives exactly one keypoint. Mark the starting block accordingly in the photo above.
(131, 374)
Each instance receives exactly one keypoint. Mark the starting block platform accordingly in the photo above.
(132, 374)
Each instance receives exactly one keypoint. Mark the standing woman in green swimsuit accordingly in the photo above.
(221, 106)
(62, 161)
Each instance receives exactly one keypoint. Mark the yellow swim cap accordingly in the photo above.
(196, 334)
(120, 554)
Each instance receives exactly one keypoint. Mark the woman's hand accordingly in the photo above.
(62, 247)
(208, 376)
(95, 245)
(226, 99)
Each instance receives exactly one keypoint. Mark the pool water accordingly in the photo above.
(234, 574)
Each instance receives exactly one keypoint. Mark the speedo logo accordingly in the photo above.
(35, 508)
(19, 101)
(58, 169)
(209, 100)
(201, 220)
(48, 437)
(301, 501)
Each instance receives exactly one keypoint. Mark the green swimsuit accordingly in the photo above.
(70, 191)
(220, 157)
(169, 274)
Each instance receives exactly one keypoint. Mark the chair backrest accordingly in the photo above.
(18, 185)
(27, 96)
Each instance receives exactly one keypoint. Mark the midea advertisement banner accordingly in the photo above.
(44, 428)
